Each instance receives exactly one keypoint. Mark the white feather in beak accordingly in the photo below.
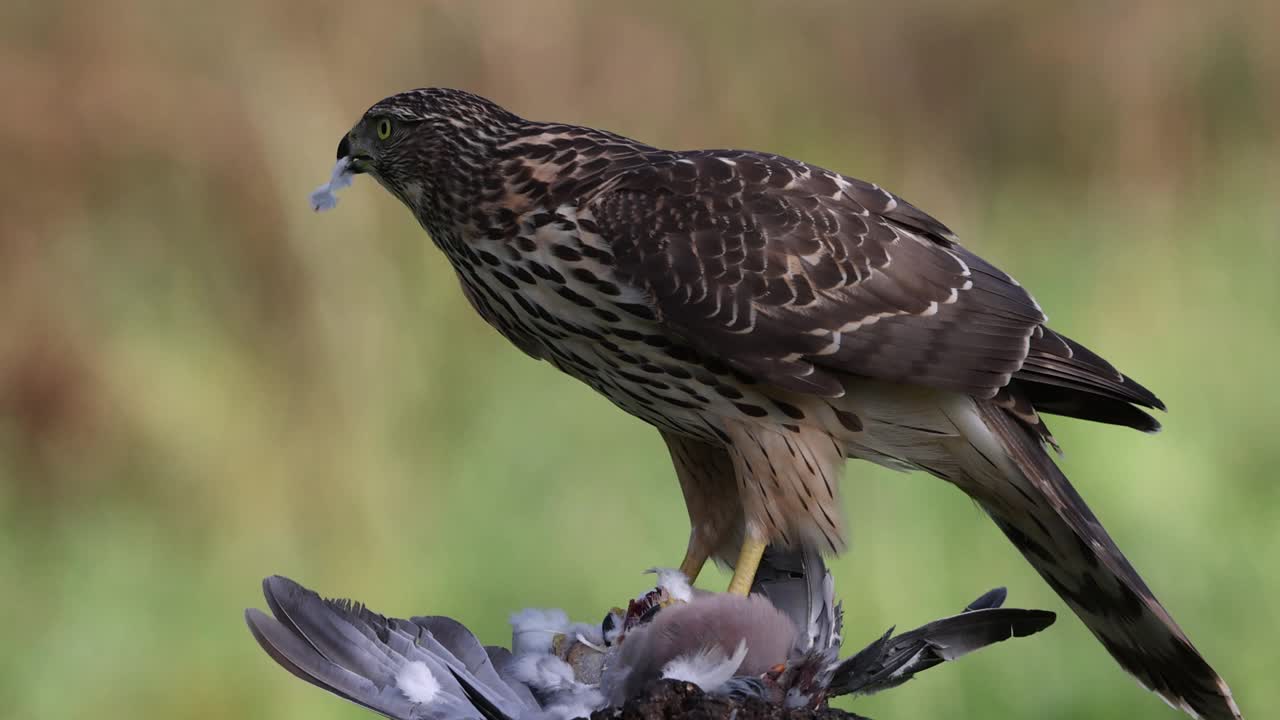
(324, 197)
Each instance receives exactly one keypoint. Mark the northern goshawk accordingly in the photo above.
(771, 319)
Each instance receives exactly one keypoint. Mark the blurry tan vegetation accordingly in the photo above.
(202, 383)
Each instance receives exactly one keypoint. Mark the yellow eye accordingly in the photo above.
(384, 129)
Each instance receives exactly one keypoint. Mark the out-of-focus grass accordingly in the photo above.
(202, 383)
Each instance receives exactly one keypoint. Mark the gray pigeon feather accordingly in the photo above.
(359, 655)
(893, 660)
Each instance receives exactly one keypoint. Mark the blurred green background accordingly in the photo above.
(203, 383)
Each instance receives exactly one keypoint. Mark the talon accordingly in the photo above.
(744, 572)
(694, 560)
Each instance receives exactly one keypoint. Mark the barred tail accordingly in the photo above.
(1062, 539)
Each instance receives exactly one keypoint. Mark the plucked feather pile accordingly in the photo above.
(779, 646)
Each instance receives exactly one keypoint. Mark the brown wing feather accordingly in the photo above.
(1058, 360)
(795, 275)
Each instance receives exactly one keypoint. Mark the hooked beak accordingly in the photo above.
(359, 163)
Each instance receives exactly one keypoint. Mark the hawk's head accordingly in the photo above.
(425, 145)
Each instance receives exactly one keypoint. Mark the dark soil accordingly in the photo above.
(674, 699)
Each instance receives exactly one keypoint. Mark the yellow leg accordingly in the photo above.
(744, 572)
(694, 558)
